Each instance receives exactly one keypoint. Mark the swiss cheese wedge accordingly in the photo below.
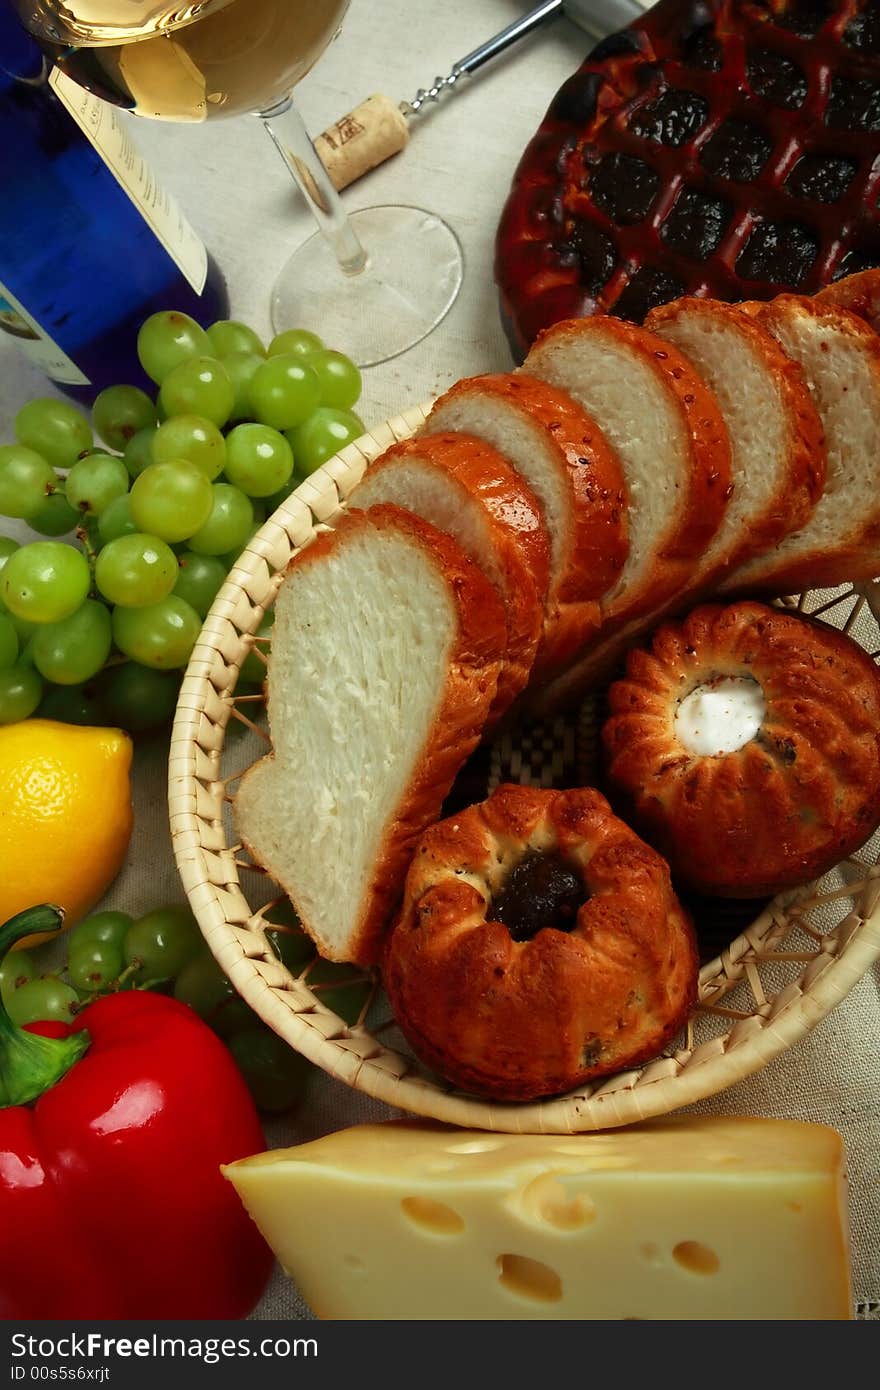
(689, 1218)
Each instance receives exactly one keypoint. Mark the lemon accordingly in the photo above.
(65, 815)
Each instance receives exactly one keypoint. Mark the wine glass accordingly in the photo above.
(380, 280)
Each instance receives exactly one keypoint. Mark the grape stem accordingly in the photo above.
(30, 1064)
(87, 541)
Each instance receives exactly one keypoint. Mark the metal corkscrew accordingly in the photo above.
(379, 128)
(597, 17)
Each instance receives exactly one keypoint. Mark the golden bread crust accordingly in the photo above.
(520, 1019)
(801, 795)
(482, 478)
(859, 293)
(588, 469)
(859, 556)
(800, 484)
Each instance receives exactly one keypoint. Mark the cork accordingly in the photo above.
(367, 136)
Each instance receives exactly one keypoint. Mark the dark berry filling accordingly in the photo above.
(542, 890)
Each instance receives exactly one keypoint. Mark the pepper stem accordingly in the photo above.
(29, 1064)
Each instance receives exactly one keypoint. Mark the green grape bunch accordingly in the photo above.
(164, 950)
(142, 510)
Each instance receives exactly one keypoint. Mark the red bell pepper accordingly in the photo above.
(112, 1132)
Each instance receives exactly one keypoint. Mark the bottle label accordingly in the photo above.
(101, 124)
(35, 343)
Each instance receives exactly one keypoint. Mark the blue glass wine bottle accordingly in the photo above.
(86, 254)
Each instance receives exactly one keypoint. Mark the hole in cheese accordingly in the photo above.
(529, 1278)
(720, 716)
(435, 1217)
(698, 1258)
(545, 1200)
(474, 1146)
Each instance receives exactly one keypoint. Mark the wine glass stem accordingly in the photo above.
(291, 139)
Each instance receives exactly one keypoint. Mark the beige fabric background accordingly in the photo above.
(459, 164)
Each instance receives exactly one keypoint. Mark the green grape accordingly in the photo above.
(26, 480)
(194, 439)
(135, 571)
(284, 392)
(94, 966)
(293, 948)
(43, 1000)
(54, 516)
(45, 581)
(340, 988)
(7, 547)
(166, 340)
(295, 342)
(276, 1076)
(259, 460)
(26, 651)
(96, 481)
(15, 970)
(138, 453)
(137, 697)
(203, 986)
(106, 928)
(116, 520)
(161, 943)
(120, 412)
(72, 704)
(274, 502)
(55, 429)
(24, 629)
(339, 377)
(241, 367)
(228, 335)
(229, 525)
(161, 636)
(252, 668)
(322, 435)
(8, 643)
(201, 386)
(199, 579)
(171, 500)
(74, 650)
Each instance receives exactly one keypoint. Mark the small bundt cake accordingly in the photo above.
(539, 945)
(746, 746)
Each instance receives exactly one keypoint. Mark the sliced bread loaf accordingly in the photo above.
(859, 293)
(464, 487)
(840, 358)
(577, 478)
(776, 437)
(670, 438)
(385, 656)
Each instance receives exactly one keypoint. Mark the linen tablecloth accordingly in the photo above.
(459, 164)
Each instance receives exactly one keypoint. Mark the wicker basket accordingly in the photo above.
(778, 976)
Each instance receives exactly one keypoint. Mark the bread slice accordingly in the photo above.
(577, 478)
(776, 437)
(384, 663)
(840, 358)
(675, 452)
(669, 436)
(467, 489)
(859, 293)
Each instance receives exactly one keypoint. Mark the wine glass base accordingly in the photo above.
(413, 273)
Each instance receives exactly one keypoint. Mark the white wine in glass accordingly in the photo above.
(199, 61)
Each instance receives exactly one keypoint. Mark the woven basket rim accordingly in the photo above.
(209, 872)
